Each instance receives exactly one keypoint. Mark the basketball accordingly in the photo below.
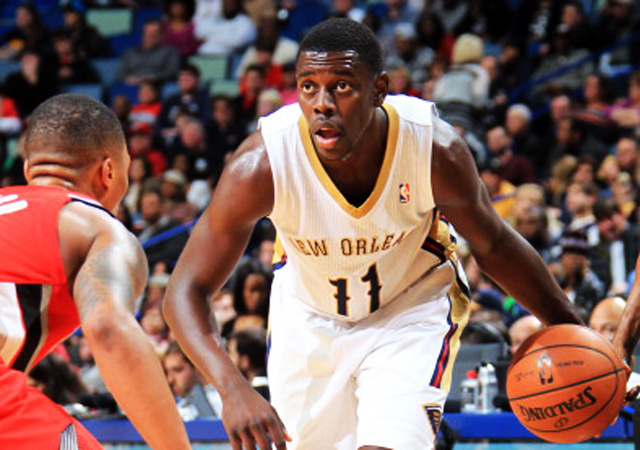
(566, 383)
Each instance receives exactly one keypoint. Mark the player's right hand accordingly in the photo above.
(251, 422)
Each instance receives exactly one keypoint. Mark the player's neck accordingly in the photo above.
(356, 177)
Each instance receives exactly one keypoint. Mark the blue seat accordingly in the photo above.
(128, 90)
(107, 69)
(93, 90)
(7, 67)
(120, 43)
(168, 89)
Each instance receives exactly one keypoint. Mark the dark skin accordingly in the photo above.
(106, 271)
(341, 101)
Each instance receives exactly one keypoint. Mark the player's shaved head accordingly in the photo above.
(72, 130)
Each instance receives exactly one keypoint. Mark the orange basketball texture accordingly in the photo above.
(566, 383)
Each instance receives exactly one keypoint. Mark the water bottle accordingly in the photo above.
(487, 387)
(469, 392)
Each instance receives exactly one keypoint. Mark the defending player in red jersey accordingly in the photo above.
(66, 261)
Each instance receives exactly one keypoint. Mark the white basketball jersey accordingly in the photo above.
(346, 261)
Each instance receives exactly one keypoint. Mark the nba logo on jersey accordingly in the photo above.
(404, 193)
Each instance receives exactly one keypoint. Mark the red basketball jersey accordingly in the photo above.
(36, 308)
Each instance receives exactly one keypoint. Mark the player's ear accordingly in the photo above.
(381, 88)
(25, 171)
(107, 173)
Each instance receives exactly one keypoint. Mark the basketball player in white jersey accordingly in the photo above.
(368, 300)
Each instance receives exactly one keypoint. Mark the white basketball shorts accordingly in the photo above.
(378, 382)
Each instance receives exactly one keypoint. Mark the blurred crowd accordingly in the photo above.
(546, 93)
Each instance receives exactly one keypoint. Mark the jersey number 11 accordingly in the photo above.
(342, 296)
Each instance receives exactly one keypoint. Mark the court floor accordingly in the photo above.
(541, 446)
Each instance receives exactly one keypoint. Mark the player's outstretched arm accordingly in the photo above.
(243, 195)
(500, 251)
(111, 274)
(628, 332)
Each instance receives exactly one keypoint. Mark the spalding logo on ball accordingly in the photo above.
(566, 383)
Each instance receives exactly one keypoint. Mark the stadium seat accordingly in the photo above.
(168, 89)
(107, 69)
(211, 67)
(128, 90)
(6, 67)
(227, 87)
(93, 90)
(110, 22)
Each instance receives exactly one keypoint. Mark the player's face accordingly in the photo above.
(338, 95)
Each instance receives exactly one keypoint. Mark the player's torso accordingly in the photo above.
(348, 261)
(36, 309)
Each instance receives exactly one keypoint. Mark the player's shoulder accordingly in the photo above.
(281, 119)
(412, 109)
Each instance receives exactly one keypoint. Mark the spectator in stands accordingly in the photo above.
(400, 82)
(88, 370)
(627, 155)
(561, 54)
(391, 13)
(151, 60)
(148, 107)
(155, 328)
(248, 351)
(269, 100)
(10, 126)
(225, 131)
(139, 171)
(56, 379)
(29, 35)
(250, 87)
(201, 159)
(613, 257)
(597, 93)
(618, 21)
(572, 137)
(585, 171)
(515, 64)
(191, 99)
(178, 30)
(452, 13)
(87, 41)
(251, 288)
(31, 85)
(223, 27)
(500, 190)
(194, 400)
(431, 33)
(68, 65)
(464, 89)
(406, 53)
(141, 146)
(626, 112)
(521, 329)
(524, 140)
(222, 308)
(624, 194)
(580, 31)
(534, 21)
(288, 91)
(532, 224)
(574, 275)
(158, 245)
(284, 50)
(581, 197)
(346, 9)
(121, 106)
(515, 169)
(605, 317)
(272, 70)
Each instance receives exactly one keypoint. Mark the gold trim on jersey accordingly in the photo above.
(385, 170)
(460, 313)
